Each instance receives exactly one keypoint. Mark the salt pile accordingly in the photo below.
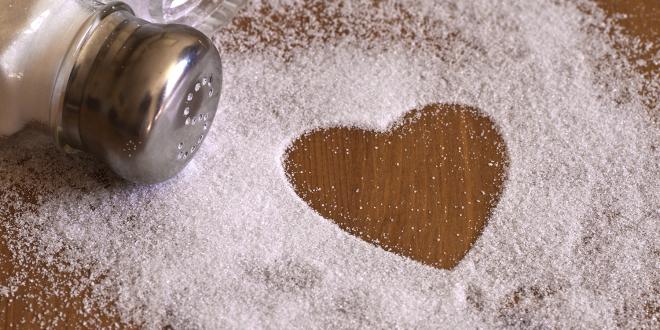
(573, 241)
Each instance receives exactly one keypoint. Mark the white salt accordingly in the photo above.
(572, 243)
(35, 36)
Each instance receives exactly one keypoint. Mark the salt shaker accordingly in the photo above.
(206, 15)
(140, 96)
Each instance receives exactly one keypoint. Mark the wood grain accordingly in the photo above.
(424, 189)
(37, 304)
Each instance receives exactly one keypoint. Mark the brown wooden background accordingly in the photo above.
(33, 307)
(424, 189)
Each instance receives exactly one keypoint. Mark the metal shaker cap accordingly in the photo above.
(140, 96)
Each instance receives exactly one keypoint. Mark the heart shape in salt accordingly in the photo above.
(424, 189)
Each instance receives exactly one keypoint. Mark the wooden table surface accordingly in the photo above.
(423, 189)
(353, 176)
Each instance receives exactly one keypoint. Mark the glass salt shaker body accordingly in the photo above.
(35, 37)
(205, 15)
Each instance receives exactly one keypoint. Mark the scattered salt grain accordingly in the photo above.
(573, 241)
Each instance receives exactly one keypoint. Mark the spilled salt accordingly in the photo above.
(572, 242)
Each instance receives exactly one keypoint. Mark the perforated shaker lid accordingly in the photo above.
(140, 96)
